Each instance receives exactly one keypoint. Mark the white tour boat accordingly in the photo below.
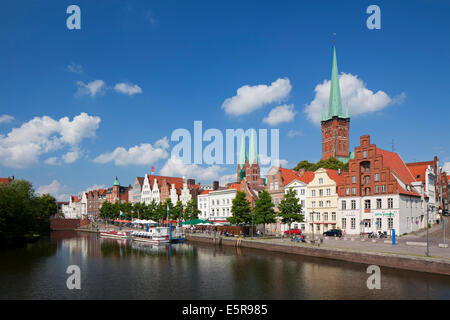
(156, 235)
(115, 234)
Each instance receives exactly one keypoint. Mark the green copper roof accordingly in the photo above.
(253, 153)
(116, 182)
(335, 103)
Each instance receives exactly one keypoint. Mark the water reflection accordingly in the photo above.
(118, 269)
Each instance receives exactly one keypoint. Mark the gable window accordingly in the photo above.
(320, 180)
(353, 179)
(328, 192)
(353, 204)
(344, 204)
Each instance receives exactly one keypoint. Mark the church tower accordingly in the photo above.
(248, 166)
(335, 126)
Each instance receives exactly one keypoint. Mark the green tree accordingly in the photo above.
(240, 209)
(290, 208)
(264, 209)
(177, 211)
(330, 163)
(191, 211)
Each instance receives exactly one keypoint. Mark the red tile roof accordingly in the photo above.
(418, 169)
(75, 199)
(289, 175)
(395, 163)
(178, 182)
(206, 192)
(4, 180)
(335, 176)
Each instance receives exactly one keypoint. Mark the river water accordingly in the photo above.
(115, 269)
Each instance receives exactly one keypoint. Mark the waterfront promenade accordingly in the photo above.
(399, 256)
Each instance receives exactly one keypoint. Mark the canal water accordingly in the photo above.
(114, 269)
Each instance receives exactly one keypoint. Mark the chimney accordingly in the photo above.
(215, 185)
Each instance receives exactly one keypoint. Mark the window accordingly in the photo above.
(313, 193)
(328, 192)
(383, 188)
(377, 189)
(318, 216)
(353, 204)
(378, 203)
(313, 204)
(344, 223)
(353, 190)
(333, 216)
(276, 185)
(379, 226)
(376, 177)
(354, 179)
(367, 179)
(271, 186)
(318, 227)
(311, 217)
(353, 223)
(320, 204)
(390, 223)
(364, 154)
(325, 216)
(367, 204)
(321, 192)
(302, 192)
(344, 204)
(328, 203)
(347, 191)
(390, 203)
(320, 180)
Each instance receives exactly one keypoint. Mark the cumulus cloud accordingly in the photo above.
(22, 146)
(143, 154)
(251, 98)
(354, 94)
(94, 187)
(75, 68)
(126, 88)
(53, 161)
(264, 160)
(228, 178)
(91, 89)
(280, 114)
(71, 156)
(6, 118)
(175, 167)
(55, 189)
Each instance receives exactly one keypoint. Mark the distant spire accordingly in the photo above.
(335, 103)
(253, 153)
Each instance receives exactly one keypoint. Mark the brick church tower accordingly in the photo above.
(335, 126)
(248, 166)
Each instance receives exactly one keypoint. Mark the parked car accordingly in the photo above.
(446, 213)
(333, 233)
(293, 231)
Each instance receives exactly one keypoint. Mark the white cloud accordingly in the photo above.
(6, 118)
(53, 161)
(71, 156)
(446, 167)
(354, 94)
(280, 114)
(127, 88)
(227, 179)
(75, 68)
(92, 88)
(22, 146)
(264, 160)
(175, 167)
(143, 154)
(251, 98)
(94, 187)
(55, 189)
(294, 133)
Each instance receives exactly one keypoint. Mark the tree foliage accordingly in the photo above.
(290, 208)
(264, 209)
(240, 209)
(22, 213)
(331, 163)
(191, 212)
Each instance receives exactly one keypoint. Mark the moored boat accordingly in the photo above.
(115, 234)
(157, 235)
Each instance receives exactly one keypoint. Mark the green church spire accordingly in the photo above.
(253, 153)
(335, 103)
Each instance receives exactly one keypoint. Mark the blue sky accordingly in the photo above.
(179, 61)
